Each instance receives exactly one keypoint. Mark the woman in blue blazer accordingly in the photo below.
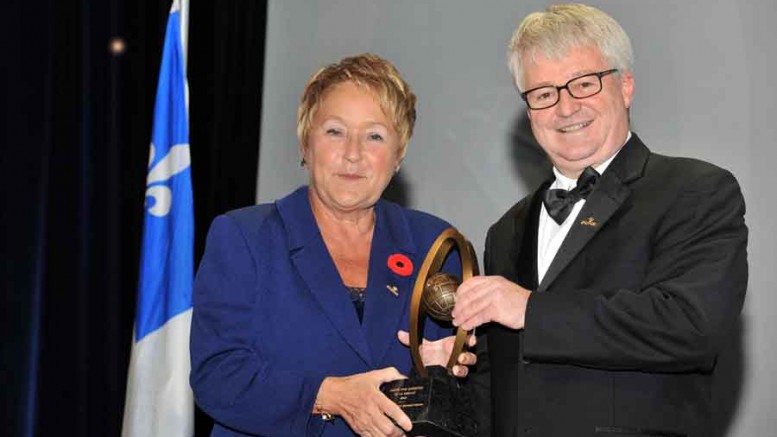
(297, 304)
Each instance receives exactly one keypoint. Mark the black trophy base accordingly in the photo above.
(437, 405)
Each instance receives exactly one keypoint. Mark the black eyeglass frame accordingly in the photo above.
(599, 75)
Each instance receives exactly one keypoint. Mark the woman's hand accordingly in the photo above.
(359, 401)
(438, 352)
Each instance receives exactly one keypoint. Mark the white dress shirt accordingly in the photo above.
(550, 234)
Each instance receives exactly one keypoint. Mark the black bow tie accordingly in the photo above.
(559, 203)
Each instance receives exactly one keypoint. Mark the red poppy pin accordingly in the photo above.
(400, 264)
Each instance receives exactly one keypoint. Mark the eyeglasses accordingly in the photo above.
(580, 87)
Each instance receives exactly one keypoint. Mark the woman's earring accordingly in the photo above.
(302, 162)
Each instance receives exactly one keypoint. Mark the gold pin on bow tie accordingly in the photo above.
(393, 289)
(590, 221)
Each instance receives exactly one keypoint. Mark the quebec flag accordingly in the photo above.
(159, 401)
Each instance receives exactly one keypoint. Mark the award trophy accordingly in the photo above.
(432, 397)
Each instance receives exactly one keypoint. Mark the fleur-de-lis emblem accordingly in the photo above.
(590, 221)
(176, 161)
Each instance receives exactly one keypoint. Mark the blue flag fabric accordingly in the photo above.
(166, 271)
(159, 401)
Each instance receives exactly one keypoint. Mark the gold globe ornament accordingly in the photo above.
(439, 295)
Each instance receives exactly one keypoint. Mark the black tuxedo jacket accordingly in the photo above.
(622, 334)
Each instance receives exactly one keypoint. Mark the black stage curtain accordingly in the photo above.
(75, 138)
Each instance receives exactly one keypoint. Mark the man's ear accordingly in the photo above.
(627, 88)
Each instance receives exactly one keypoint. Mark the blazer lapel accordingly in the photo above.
(599, 207)
(611, 192)
(525, 263)
(316, 268)
(388, 293)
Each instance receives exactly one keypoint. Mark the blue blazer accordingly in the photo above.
(272, 317)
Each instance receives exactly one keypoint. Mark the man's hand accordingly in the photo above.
(483, 299)
(438, 352)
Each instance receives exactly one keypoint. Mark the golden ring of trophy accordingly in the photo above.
(434, 292)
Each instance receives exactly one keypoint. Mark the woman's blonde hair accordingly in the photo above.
(372, 72)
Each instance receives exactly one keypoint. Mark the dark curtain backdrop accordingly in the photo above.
(76, 129)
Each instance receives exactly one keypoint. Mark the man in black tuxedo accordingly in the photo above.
(607, 290)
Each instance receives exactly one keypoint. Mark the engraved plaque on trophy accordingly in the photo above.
(434, 399)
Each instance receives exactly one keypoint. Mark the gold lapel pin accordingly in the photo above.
(393, 289)
(590, 221)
